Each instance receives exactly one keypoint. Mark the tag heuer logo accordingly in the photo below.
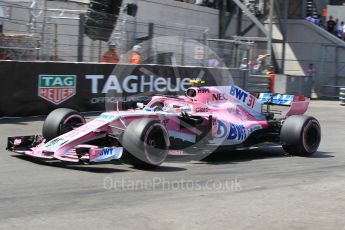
(56, 88)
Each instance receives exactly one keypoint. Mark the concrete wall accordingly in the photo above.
(309, 43)
(338, 12)
(176, 12)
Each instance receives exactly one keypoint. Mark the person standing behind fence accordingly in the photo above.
(110, 55)
(3, 55)
(135, 57)
(271, 78)
(310, 73)
(340, 28)
(260, 64)
(331, 25)
(336, 29)
(213, 62)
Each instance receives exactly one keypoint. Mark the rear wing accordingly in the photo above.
(276, 99)
(298, 104)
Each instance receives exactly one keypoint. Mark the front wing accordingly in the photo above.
(32, 146)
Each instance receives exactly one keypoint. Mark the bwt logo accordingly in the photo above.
(238, 93)
(241, 95)
(106, 152)
(107, 116)
(237, 132)
(56, 88)
(231, 131)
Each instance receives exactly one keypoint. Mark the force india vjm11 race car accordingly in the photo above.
(204, 119)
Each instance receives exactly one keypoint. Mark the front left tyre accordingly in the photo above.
(61, 121)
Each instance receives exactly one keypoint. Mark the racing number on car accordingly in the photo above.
(251, 101)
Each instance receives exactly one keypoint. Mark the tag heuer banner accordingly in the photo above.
(57, 88)
(36, 88)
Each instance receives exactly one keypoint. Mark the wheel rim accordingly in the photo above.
(70, 123)
(156, 144)
(312, 137)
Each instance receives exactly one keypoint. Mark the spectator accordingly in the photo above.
(211, 3)
(110, 55)
(331, 25)
(271, 78)
(260, 63)
(323, 22)
(340, 28)
(310, 73)
(199, 2)
(244, 63)
(135, 57)
(309, 18)
(3, 55)
(213, 62)
(317, 20)
(336, 27)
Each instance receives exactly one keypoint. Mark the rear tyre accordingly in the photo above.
(300, 135)
(146, 143)
(61, 121)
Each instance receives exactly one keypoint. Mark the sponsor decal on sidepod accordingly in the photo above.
(230, 131)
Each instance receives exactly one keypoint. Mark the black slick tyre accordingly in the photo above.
(60, 121)
(300, 135)
(146, 143)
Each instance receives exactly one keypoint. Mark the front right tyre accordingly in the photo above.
(146, 143)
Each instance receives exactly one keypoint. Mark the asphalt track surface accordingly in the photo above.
(255, 189)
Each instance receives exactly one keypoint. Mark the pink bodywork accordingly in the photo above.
(235, 115)
(299, 106)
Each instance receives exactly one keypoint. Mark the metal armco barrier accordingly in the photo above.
(342, 96)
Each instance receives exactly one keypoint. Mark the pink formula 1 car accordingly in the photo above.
(202, 121)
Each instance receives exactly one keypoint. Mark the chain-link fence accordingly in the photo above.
(241, 54)
(51, 33)
(331, 76)
(33, 30)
